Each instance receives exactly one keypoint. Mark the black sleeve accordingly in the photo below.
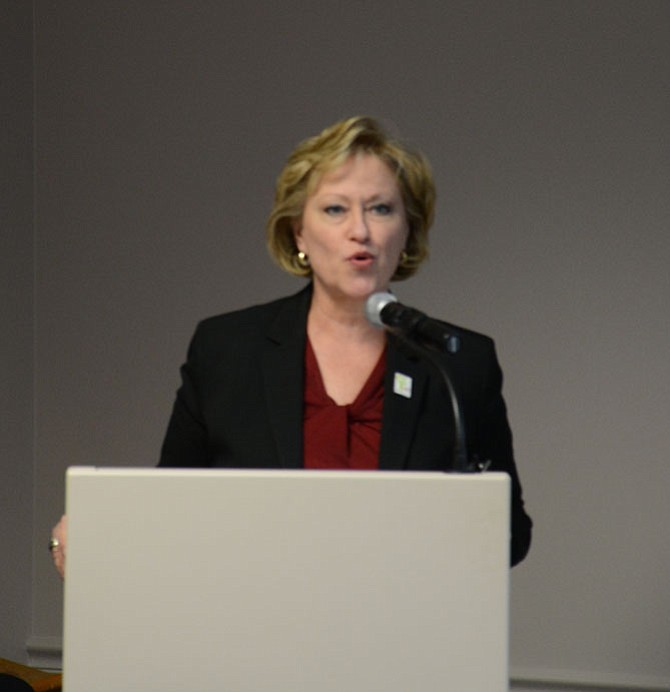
(186, 440)
(493, 442)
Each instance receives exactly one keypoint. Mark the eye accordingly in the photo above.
(334, 210)
(382, 209)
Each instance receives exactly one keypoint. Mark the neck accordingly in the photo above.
(341, 316)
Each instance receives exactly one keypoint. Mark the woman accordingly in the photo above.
(307, 381)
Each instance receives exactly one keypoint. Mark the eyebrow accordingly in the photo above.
(384, 196)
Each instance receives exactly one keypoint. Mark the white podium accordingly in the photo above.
(286, 581)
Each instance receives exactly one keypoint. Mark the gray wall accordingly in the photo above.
(16, 316)
(159, 130)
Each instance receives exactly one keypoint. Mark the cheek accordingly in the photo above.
(305, 240)
(401, 238)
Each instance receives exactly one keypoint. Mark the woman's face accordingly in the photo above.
(353, 229)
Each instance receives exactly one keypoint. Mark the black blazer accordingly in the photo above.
(240, 404)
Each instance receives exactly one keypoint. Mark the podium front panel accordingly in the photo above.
(286, 581)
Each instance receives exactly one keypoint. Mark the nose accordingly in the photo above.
(359, 229)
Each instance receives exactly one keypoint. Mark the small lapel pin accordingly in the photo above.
(402, 385)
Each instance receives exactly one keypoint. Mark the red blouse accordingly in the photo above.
(342, 437)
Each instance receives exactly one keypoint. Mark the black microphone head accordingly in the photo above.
(375, 304)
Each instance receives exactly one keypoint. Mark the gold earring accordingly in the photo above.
(404, 259)
(302, 260)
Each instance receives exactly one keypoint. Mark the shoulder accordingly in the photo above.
(239, 330)
(475, 363)
(249, 316)
(469, 341)
(254, 317)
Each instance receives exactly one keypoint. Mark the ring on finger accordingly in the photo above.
(54, 543)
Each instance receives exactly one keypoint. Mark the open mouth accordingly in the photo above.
(362, 259)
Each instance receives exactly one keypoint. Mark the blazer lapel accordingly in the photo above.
(283, 373)
(404, 391)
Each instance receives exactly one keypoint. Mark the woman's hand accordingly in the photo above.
(57, 545)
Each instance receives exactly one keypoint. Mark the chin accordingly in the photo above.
(364, 291)
(358, 289)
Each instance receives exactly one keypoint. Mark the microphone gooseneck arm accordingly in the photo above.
(460, 463)
(428, 339)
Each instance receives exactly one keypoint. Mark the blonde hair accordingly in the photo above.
(322, 153)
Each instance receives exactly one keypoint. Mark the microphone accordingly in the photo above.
(384, 310)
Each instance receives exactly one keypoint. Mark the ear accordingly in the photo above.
(296, 226)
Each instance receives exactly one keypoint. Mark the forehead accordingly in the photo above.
(360, 172)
